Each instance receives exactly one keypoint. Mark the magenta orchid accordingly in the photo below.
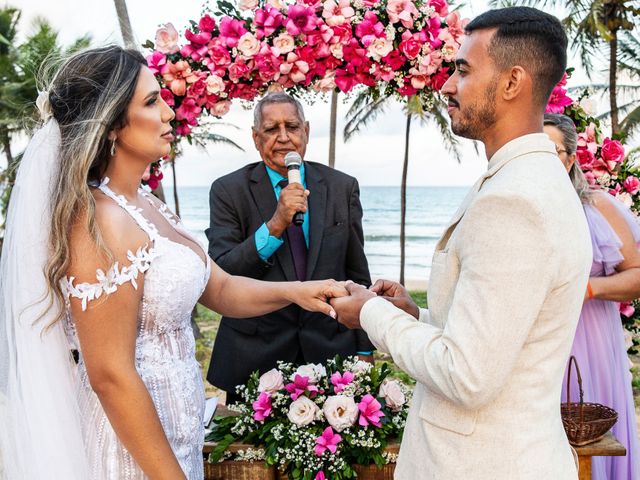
(339, 381)
(300, 386)
(370, 411)
(262, 407)
(327, 441)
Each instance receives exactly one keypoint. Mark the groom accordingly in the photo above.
(507, 280)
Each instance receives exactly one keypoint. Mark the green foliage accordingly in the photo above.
(20, 71)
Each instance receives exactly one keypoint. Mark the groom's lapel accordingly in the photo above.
(265, 200)
(442, 243)
(317, 211)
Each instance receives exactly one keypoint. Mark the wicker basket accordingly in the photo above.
(365, 472)
(584, 422)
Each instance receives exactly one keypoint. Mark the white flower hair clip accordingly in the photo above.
(44, 106)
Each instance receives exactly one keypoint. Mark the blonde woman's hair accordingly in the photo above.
(89, 95)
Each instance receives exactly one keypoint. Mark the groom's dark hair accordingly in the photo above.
(530, 38)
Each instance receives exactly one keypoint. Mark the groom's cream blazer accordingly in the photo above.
(505, 292)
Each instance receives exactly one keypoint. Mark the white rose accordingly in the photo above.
(215, 84)
(248, 45)
(167, 39)
(283, 44)
(271, 381)
(303, 411)
(361, 367)
(392, 393)
(247, 4)
(380, 47)
(314, 372)
(340, 411)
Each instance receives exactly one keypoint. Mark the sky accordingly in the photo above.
(374, 157)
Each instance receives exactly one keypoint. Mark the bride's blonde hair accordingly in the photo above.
(88, 96)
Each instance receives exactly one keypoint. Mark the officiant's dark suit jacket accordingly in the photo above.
(240, 203)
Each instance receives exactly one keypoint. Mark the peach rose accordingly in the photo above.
(215, 84)
(248, 45)
(220, 109)
(283, 44)
(380, 47)
(247, 4)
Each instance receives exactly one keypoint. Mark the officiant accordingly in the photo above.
(251, 233)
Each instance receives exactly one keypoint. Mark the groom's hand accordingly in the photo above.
(395, 293)
(348, 308)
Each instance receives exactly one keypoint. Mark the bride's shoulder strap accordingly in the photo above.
(130, 250)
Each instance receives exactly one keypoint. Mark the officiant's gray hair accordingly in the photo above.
(273, 98)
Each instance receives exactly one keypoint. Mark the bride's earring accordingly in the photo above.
(113, 147)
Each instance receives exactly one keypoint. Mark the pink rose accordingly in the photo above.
(393, 395)
(230, 31)
(188, 111)
(266, 21)
(206, 24)
(167, 96)
(410, 47)
(156, 61)
(631, 185)
(248, 45)
(402, 11)
(167, 39)
(612, 151)
(440, 6)
(220, 109)
(301, 20)
(585, 158)
(626, 309)
(238, 70)
(337, 12)
(271, 381)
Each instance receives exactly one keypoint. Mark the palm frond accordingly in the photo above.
(367, 111)
(631, 122)
(203, 139)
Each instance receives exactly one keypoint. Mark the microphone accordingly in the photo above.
(292, 161)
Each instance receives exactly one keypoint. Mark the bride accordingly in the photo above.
(94, 263)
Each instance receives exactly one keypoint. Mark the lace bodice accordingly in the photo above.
(174, 279)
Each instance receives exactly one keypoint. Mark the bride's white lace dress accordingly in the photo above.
(175, 276)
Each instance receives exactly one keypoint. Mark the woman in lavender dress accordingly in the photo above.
(599, 344)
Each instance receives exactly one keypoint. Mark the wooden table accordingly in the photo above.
(608, 446)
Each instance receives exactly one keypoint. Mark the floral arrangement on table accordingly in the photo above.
(315, 421)
(604, 164)
(237, 52)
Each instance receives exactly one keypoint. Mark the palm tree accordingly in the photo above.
(366, 108)
(19, 77)
(591, 25)
(125, 23)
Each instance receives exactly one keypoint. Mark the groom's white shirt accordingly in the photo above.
(505, 292)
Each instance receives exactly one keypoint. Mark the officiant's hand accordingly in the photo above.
(314, 296)
(348, 308)
(293, 199)
(395, 293)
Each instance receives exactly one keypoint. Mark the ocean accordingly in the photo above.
(428, 211)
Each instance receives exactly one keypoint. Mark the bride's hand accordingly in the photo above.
(314, 296)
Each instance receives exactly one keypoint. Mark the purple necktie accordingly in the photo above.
(297, 245)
